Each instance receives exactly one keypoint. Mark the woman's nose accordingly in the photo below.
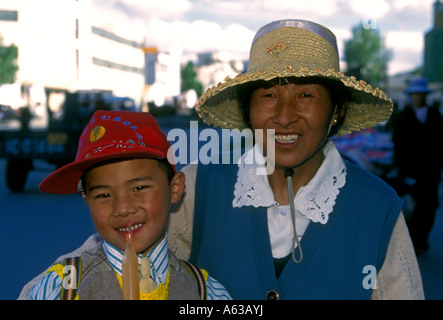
(286, 111)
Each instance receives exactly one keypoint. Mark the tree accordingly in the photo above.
(8, 63)
(189, 79)
(365, 55)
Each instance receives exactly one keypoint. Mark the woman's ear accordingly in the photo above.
(340, 113)
(343, 109)
(177, 186)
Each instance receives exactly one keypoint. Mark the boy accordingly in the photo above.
(122, 171)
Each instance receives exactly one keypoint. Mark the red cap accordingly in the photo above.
(110, 135)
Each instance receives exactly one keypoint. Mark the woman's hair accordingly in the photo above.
(337, 91)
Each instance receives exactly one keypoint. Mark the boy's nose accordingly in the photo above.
(124, 205)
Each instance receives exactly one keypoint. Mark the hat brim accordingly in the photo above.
(368, 106)
(65, 180)
(418, 90)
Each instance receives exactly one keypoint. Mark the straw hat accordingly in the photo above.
(110, 135)
(294, 48)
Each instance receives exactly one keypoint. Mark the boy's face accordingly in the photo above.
(131, 195)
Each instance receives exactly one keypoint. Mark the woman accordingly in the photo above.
(315, 227)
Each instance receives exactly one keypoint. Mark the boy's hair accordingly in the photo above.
(111, 136)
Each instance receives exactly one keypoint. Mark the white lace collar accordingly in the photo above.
(315, 200)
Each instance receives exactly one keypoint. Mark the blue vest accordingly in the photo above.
(233, 243)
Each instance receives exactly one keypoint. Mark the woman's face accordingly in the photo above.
(300, 114)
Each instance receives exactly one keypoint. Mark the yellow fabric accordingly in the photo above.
(161, 293)
(205, 274)
(58, 268)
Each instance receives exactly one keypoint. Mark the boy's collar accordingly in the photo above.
(158, 255)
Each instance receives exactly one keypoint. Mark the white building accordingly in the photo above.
(68, 45)
(213, 67)
(162, 72)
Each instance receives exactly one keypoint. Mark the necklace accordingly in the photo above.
(278, 204)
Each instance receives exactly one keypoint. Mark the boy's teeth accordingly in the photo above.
(130, 228)
(286, 138)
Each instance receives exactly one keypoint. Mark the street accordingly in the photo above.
(38, 228)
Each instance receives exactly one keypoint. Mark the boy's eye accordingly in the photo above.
(102, 195)
(138, 188)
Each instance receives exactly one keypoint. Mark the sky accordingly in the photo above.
(229, 25)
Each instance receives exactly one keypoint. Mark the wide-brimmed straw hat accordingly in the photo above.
(110, 135)
(301, 49)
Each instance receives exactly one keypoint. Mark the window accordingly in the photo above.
(77, 63)
(114, 37)
(8, 15)
(118, 66)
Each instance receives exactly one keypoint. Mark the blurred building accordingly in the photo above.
(214, 67)
(432, 68)
(162, 75)
(72, 45)
(433, 51)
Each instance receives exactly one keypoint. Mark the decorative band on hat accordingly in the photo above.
(307, 25)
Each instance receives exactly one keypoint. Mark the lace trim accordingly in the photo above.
(315, 200)
(249, 190)
(319, 203)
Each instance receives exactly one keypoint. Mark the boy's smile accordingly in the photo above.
(131, 196)
(131, 228)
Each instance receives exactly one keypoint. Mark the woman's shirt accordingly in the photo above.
(313, 202)
(399, 277)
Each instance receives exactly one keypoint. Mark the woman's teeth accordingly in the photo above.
(130, 228)
(290, 138)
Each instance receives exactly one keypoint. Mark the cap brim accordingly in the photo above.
(65, 179)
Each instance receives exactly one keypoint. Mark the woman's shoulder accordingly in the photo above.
(361, 177)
